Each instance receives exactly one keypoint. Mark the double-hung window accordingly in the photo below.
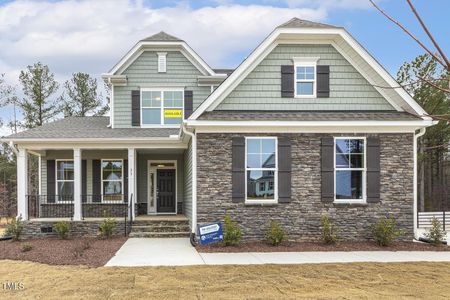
(112, 179)
(261, 169)
(162, 107)
(305, 77)
(350, 169)
(64, 180)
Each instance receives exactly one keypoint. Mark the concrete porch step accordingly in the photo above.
(161, 228)
(134, 234)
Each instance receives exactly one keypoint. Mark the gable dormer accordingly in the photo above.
(158, 83)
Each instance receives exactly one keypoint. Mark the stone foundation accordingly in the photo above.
(301, 217)
(87, 228)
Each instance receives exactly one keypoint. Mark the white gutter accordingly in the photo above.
(416, 136)
(194, 178)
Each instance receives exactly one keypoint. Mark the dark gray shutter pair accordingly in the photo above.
(51, 181)
(373, 169)
(288, 81)
(284, 169)
(136, 106)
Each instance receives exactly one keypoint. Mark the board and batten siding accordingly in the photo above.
(261, 89)
(143, 72)
(187, 202)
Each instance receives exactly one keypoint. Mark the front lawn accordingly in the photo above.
(92, 252)
(325, 281)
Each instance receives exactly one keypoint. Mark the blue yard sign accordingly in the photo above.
(211, 233)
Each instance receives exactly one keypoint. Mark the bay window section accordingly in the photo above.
(112, 180)
(162, 107)
(350, 171)
(261, 167)
(64, 180)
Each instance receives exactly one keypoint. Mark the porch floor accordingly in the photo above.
(161, 218)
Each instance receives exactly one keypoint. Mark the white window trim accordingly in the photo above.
(61, 180)
(305, 62)
(162, 55)
(162, 107)
(275, 170)
(364, 170)
(103, 180)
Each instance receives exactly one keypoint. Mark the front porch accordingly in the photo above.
(81, 184)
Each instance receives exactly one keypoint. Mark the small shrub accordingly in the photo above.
(385, 231)
(436, 234)
(276, 234)
(26, 247)
(107, 228)
(232, 232)
(15, 228)
(329, 231)
(62, 228)
(79, 250)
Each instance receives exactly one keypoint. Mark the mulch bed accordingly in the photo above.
(90, 252)
(318, 246)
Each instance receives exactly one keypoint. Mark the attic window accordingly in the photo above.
(162, 62)
(305, 77)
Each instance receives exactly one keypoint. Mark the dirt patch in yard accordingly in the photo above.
(305, 246)
(325, 281)
(75, 251)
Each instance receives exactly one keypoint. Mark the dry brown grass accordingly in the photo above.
(325, 281)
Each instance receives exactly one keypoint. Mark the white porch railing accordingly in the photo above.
(424, 219)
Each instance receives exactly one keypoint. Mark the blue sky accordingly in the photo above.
(90, 36)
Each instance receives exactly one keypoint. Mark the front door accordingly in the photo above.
(165, 193)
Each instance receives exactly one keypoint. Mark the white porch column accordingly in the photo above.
(22, 183)
(132, 179)
(77, 216)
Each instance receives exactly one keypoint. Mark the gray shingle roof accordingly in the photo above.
(90, 127)
(299, 23)
(307, 116)
(162, 37)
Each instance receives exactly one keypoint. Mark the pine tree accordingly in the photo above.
(38, 85)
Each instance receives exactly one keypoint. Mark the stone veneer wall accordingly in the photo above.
(301, 217)
(89, 228)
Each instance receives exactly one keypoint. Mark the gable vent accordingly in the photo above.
(162, 62)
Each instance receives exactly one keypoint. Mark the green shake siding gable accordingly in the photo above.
(260, 90)
(143, 72)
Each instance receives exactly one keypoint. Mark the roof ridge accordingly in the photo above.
(297, 22)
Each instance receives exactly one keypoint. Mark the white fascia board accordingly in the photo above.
(307, 126)
(271, 42)
(140, 47)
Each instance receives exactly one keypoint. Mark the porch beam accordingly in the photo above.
(131, 179)
(22, 183)
(77, 214)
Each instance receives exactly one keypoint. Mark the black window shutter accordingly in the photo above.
(327, 165)
(238, 169)
(323, 81)
(287, 81)
(136, 108)
(96, 180)
(284, 169)
(83, 180)
(188, 104)
(51, 181)
(125, 180)
(373, 169)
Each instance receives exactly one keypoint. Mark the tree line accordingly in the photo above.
(40, 104)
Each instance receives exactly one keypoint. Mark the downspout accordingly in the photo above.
(416, 136)
(110, 104)
(194, 182)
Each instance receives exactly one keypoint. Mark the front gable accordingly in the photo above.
(261, 88)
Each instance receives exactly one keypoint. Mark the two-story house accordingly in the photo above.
(309, 123)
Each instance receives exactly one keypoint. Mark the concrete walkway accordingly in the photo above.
(179, 252)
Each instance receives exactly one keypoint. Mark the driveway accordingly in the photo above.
(179, 252)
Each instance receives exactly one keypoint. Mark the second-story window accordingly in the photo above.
(162, 107)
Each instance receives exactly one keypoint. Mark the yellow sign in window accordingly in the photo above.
(173, 113)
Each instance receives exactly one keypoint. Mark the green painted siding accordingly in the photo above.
(261, 89)
(187, 203)
(143, 72)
